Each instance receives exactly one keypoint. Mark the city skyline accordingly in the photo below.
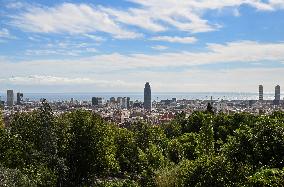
(118, 45)
(147, 96)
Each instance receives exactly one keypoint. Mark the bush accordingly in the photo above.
(267, 177)
(14, 177)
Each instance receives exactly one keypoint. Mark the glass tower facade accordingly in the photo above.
(10, 98)
(260, 90)
(147, 97)
(277, 95)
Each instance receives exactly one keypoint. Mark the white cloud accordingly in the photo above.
(277, 4)
(60, 52)
(91, 50)
(51, 80)
(33, 39)
(175, 39)
(209, 4)
(94, 37)
(48, 52)
(160, 47)
(63, 48)
(240, 51)
(236, 12)
(247, 51)
(41, 81)
(5, 33)
(135, 69)
(160, 16)
(223, 80)
(191, 80)
(70, 18)
(151, 15)
(15, 5)
(47, 80)
(156, 15)
(136, 17)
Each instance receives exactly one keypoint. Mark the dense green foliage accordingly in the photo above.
(81, 149)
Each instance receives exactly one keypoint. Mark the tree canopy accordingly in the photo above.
(79, 148)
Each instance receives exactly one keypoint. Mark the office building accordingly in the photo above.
(128, 102)
(137, 104)
(260, 92)
(147, 97)
(10, 98)
(97, 101)
(20, 98)
(124, 103)
(1, 103)
(119, 102)
(112, 100)
(277, 95)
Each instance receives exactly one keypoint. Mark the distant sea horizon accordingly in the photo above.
(87, 96)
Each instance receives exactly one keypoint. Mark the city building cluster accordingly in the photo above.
(124, 111)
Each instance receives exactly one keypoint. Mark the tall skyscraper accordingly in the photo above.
(260, 91)
(20, 98)
(147, 97)
(128, 102)
(119, 102)
(124, 103)
(277, 95)
(10, 98)
(1, 103)
(112, 100)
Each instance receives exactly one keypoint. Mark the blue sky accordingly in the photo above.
(118, 45)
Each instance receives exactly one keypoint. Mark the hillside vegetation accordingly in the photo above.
(81, 149)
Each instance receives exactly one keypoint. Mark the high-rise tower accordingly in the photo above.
(10, 98)
(277, 95)
(260, 92)
(20, 98)
(147, 97)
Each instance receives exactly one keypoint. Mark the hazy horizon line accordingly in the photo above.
(241, 92)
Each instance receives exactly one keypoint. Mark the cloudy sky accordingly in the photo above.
(118, 45)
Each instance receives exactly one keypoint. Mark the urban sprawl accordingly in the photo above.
(124, 111)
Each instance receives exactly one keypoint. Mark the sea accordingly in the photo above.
(157, 96)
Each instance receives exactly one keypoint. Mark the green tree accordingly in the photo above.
(152, 160)
(173, 128)
(261, 144)
(1, 119)
(209, 108)
(146, 134)
(13, 153)
(204, 171)
(36, 137)
(91, 150)
(268, 143)
(175, 151)
(127, 152)
(267, 178)
(205, 144)
(182, 147)
(193, 123)
(14, 177)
